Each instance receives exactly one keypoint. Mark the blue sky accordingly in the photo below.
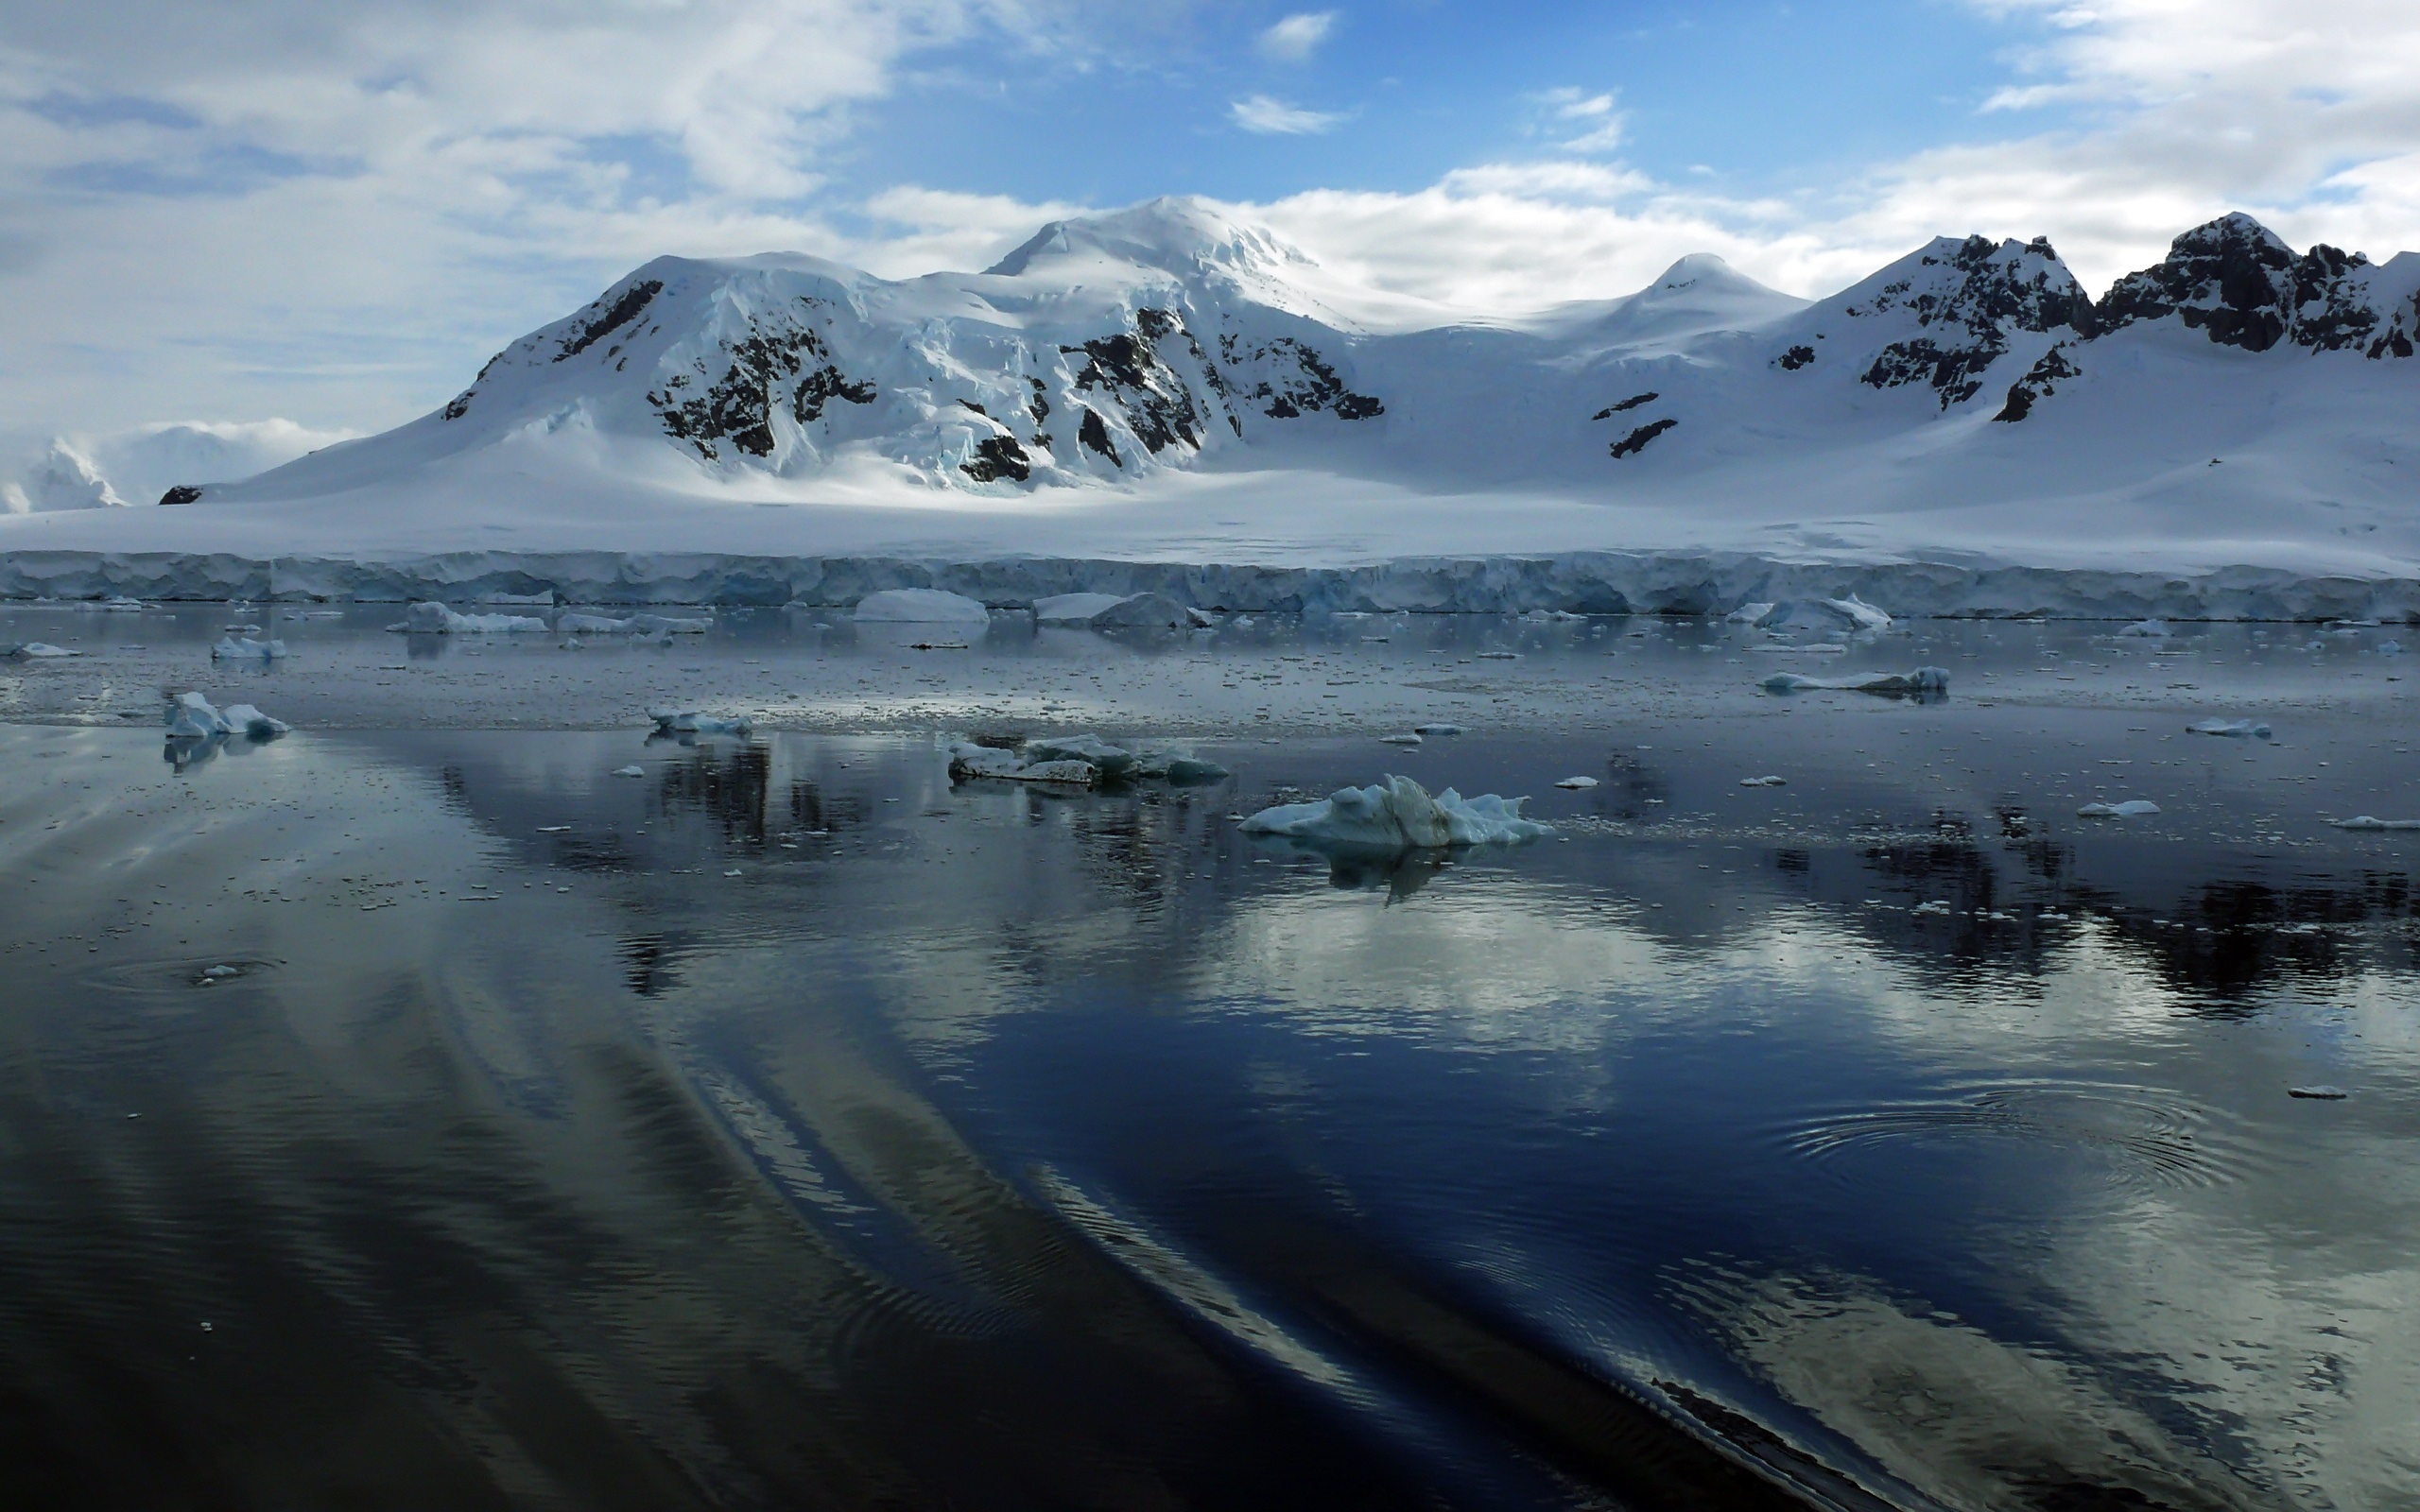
(280, 209)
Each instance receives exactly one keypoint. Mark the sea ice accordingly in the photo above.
(1110, 761)
(37, 651)
(254, 723)
(1922, 681)
(690, 722)
(2364, 821)
(2132, 808)
(920, 606)
(1577, 784)
(970, 760)
(191, 717)
(432, 618)
(1073, 608)
(1436, 729)
(1763, 782)
(2234, 729)
(2149, 628)
(1399, 814)
(231, 649)
(634, 769)
(1406, 739)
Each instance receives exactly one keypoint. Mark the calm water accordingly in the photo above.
(435, 1119)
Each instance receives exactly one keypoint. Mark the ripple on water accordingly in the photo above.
(2141, 1137)
(174, 975)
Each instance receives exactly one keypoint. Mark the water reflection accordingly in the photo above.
(791, 1124)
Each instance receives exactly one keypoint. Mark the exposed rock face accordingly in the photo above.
(1635, 441)
(1967, 297)
(182, 493)
(2236, 281)
(2040, 382)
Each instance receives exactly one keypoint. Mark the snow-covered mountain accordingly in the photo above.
(1167, 338)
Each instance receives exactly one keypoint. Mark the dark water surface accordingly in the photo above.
(434, 1120)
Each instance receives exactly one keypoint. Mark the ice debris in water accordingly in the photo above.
(1082, 761)
(432, 618)
(690, 722)
(1763, 782)
(1399, 814)
(2390, 648)
(1110, 611)
(2235, 728)
(192, 717)
(639, 625)
(634, 769)
(1750, 613)
(1406, 739)
(38, 650)
(2151, 629)
(231, 649)
(1850, 613)
(2132, 808)
(920, 606)
(2363, 822)
(1922, 681)
(1577, 784)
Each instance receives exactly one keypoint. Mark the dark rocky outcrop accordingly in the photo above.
(1094, 438)
(2236, 280)
(2040, 382)
(762, 372)
(182, 493)
(1629, 403)
(1635, 441)
(1796, 358)
(613, 318)
(998, 457)
(1969, 297)
(1125, 367)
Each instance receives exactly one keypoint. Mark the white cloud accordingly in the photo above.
(1294, 38)
(1272, 117)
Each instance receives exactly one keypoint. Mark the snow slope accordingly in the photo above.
(1163, 383)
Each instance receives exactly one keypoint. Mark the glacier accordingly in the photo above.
(1165, 401)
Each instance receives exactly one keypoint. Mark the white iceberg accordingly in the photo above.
(690, 722)
(633, 770)
(1110, 611)
(920, 606)
(254, 723)
(1110, 761)
(231, 649)
(1859, 613)
(432, 618)
(1922, 681)
(1750, 613)
(37, 651)
(191, 717)
(1073, 608)
(2232, 728)
(2364, 821)
(1399, 814)
(1436, 728)
(1577, 784)
(2151, 629)
(1763, 782)
(1406, 739)
(969, 759)
(2132, 808)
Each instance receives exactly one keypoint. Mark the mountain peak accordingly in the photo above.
(1179, 235)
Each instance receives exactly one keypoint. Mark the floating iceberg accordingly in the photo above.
(640, 624)
(431, 618)
(1751, 613)
(1399, 814)
(2366, 822)
(2151, 629)
(1405, 739)
(1859, 613)
(1108, 760)
(2132, 808)
(1923, 681)
(1073, 608)
(2233, 729)
(920, 606)
(1763, 782)
(690, 722)
(1577, 784)
(254, 723)
(633, 770)
(192, 717)
(37, 651)
(231, 649)
(970, 760)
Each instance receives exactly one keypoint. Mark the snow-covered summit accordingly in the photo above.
(1180, 235)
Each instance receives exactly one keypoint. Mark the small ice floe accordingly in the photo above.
(1923, 681)
(1399, 814)
(2318, 1095)
(120, 604)
(192, 717)
(2363, 822)
(2132, 808)
(1435, 728)
(1764, 782)
(1577, 784)
(1110, 761)
(1499, 656)
(2232, 728)
(431, 618)
(1858, 612)
(920, 606)
(1551, 616)
(2390, 648)
(2150, 629)
(634, 769)
(1816, 647)
(1114, 612)
(1850, 613)
(231, 649)
(1406, 738)
(690, 722)
(646, 627)
(967, 759)
(36, 651)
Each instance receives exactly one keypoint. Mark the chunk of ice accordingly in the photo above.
(2151, 629)
(37, 651)
(1110, 761)
(1922, 681)
(1763, 782)
(634, 769)
(254, 723)
(920, 606)
(432, 618)
(231, 649)
(1399, 814)
(2363, 822)
(1407, 739)
(191, 717)
(970, 760)
(2132, 808)
(1577, 784)
(2233, 729)
(1435, 728)
(690, 722)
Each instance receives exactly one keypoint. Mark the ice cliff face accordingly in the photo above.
(1167, 337)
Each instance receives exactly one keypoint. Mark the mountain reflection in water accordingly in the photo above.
(437, 1120)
